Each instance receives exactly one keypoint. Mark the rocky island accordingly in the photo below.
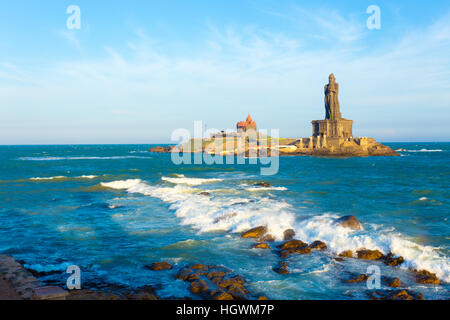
(332, 136)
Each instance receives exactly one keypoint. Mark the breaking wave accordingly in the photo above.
(237, 214)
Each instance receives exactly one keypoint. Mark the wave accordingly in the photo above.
(64, 177)
(253, 189)
(237, 214)
(421, 150)
(79, 158)
(189, 181)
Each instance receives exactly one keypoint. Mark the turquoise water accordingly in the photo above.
(112, 209)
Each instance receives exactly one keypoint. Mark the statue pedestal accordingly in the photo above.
(339, 128)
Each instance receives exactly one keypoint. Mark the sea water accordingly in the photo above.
(112, 209)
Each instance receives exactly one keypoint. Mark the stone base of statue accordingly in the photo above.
(340, 128)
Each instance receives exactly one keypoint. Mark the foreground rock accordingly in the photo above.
(215, 282)
(350, 222)
(262, 245)
(396, 295)
(426, 277)
(318, 245)
(255, 232)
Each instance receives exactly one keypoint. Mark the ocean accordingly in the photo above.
(112, 209)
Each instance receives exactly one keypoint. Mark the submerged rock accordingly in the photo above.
(263, 184)
(282, 268)
(158, 266)
(350, 222)
(293, 247)
(426, 277)
(369, 254)
(255, 232)
(358, 279)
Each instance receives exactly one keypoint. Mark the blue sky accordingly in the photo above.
(137, 70)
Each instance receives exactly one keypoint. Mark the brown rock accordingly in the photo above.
(288, 234)
(349, 222)
(198, 286)
(306, 250)
(50, 293)
(393, 261)
(339, 259)
(263, 184)
(369, 254)
(161, 149)
(292, 244)
(204, 193)
(267, 238)
(393, 283)
(281, 269)
(426, 277)
(222, 296)
(184, 274)
(261, 246)
(255, 232)
(158, 266)
(216, 274)
(358, 279)
(318, 245)
(197, 266)
(263, 298)
(346, 254)
(396, 295)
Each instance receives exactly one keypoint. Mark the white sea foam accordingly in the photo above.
(189, 181)
(235, 214)
(266, 189)
(80, 158)
(423, 150)
(48, 178)
(64, 177)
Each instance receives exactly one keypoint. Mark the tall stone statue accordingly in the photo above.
(331, 99)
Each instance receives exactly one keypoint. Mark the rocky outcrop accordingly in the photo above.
(282, 268)
(350, 222)
(426, 277)
(255, 232)
(293, 247)
(215, 282)
(358, 278)
(396, 295)
(393, 282)
(346, 254)
(161, 149)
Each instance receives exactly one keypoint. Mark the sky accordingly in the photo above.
(135, 71)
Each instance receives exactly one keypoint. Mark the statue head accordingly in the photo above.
(331, 78)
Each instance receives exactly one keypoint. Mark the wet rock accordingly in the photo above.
(262, 245)
(426, 277)
(393, 282)
(158, 266)
(255, 232)
(339, 259)
(292, 244)
(358, 279)
(396, 295)
(220, 295)
(204, 193)
(318, 245)
(288, 234)
(346, 254)
(197, 266)
(350, 222)
(369, 254)
(198, 286)
(393, 261)
(267, 238)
